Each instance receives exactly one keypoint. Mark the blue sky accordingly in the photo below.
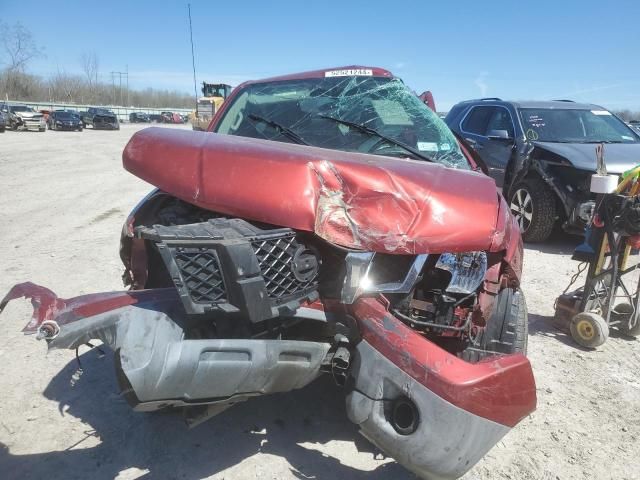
(585, 50)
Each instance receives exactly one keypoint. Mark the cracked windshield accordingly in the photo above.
(363, 114)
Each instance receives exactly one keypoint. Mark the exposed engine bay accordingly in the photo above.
(250, 278)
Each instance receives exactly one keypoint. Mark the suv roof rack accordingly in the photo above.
(490, 98)
(563, 100)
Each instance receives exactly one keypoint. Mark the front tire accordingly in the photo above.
(507, 329)
(533, 203)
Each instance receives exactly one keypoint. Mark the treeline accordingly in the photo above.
(627, 115)
(68, 88)
(18, 49)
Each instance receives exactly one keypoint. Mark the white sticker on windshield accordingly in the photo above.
(351, 72)
(626, 137)
(445, 147)
(427, 146)
(600, 112)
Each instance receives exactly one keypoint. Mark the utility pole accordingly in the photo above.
(113, 83)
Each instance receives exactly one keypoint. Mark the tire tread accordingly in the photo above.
(544, 209)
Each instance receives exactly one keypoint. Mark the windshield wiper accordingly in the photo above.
(285, 131)
(373, 132)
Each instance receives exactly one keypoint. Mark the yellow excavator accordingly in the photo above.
(213, 96)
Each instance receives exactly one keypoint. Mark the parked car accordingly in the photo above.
(331, 222)
(3, 122)
(45, 113)
(22, 117)
(155, 117)
(63, 120)
(100, 118)
(635, 124)
(171, 117)
(542, 155)
(139, 117)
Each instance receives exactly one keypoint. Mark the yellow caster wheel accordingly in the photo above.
(589, 329)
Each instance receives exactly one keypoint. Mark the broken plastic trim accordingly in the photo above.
(156, 366)
(359, 278)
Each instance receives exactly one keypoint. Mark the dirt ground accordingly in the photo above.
(63, 199)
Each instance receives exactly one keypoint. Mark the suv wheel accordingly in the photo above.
(533, 204)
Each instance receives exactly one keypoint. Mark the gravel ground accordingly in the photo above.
(63, 199)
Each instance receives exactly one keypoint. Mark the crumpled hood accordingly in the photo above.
(28, 114)
(619, 157)
(355, 200)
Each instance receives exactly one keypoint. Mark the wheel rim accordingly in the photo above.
(585, 330)
(522, 208)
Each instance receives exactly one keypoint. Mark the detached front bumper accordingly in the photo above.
(434, 413)
(156, 365)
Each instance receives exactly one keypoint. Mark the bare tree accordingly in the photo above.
(18, 49)
(90, 66)
(18, 46)
(68, 88)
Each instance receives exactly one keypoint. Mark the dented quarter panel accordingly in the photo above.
(418, 207)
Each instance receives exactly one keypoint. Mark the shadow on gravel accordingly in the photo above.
(543, 326)
(559, 243)
(162, 444)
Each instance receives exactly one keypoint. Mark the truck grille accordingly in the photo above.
(233, 266)
(200, 272)
(276, 256)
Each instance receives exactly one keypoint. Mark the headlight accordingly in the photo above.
(58, 122)
(371, 273)
(467, 270)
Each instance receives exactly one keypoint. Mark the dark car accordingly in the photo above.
(155, 118)
(542, 156)
(100, 118)
(139, 117)
(64, 120)
(329, 221)
(635, 124)
(3, 122)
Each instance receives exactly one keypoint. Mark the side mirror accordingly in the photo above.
(499, 135)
